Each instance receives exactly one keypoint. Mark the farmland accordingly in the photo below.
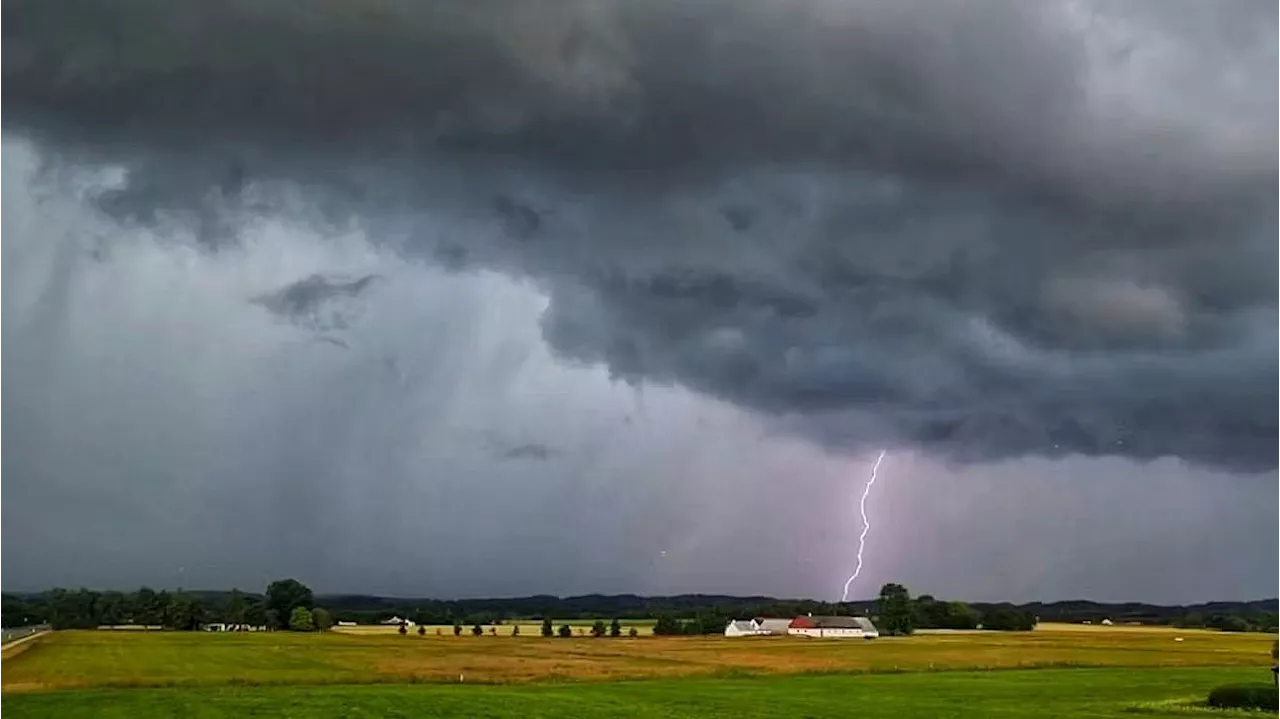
(378, 672)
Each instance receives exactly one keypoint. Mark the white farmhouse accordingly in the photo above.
(739, 628)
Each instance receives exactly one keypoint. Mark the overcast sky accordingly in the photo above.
(508, 297)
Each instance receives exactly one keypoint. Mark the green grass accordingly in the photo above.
(1053, 672)
(89, 659)
(1064, 693)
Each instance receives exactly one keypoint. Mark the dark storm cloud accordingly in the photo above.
(986, 228)
(528, 451)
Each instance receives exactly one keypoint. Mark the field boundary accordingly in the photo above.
(18, 646)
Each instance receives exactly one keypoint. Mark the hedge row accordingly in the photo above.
(1244, 696)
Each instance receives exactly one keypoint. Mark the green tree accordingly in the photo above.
(566, 631)
(422, 631)
(961, 616)
(515, 630)
(186, 612)
(633, 633)
(598, 629)
(300, 620)
(255, 614)
(146, 607)
(236, 609)
(667, 626)
(404, 629)
(285, 595)
(547, 630)
(896, 613)
(1008, 619)
(111, 608)
(322, 619)
(615, 628)
(477, 630)
(164, 605)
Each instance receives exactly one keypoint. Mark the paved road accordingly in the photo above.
(16, 633)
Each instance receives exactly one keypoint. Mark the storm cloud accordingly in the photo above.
(984, 232)
(988, 229)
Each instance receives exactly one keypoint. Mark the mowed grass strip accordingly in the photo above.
(1063, 693)
(83, 659)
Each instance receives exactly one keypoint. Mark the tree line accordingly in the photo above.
(286, 604)
(681, 614)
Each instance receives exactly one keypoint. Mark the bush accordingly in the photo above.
(301, 621)
(322, 619)
(1008, 620)
(1244, 696)
(566, 631)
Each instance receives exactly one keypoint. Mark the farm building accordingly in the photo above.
(740, 628)
(773, 626)
(833, 627)
(810, 626)
(758, 627)
(221, 627)
(396, 621)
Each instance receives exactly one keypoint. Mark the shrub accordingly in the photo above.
(546, 627)
(633, 633)
(598, 629)
(300, 620)
(321, 619)
(457, 629)
(1244, 696)
(566, 631)
(422, 631)
(477, 630)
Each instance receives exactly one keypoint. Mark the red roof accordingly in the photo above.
(802, 622)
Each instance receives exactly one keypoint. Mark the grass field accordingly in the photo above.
(70, 674)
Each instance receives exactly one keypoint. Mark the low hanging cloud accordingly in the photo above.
(986, 229)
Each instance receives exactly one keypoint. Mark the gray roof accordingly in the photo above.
(844, 623)
(743, 626)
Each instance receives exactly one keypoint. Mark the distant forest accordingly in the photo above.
(698, 613)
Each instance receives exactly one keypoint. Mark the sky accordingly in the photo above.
(601, 296)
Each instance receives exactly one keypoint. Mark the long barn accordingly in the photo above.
(833, 627)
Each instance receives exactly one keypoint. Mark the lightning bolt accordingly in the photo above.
(866, 525)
